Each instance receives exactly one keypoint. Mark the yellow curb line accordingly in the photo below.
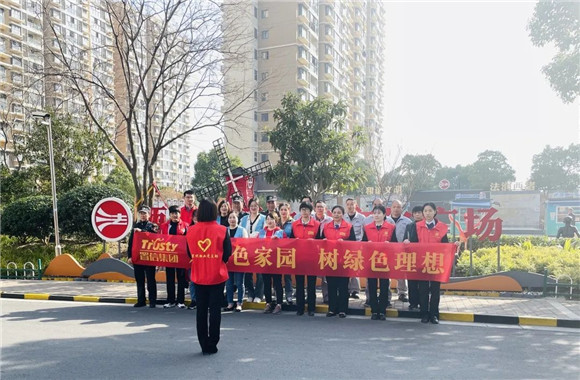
(459, 317)
(36, 296)
(86, 298)
(538, 321)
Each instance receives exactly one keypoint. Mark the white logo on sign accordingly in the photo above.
(109, 220)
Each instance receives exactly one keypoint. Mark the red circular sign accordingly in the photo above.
(444, 184)
(112, 219)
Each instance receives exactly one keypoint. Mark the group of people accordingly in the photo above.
(219, 223)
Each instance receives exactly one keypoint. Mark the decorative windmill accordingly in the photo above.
(238, 180)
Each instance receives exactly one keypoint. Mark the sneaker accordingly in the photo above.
(300, 312)
(169, 305)
(382, 317)
(192, 305)
(425, 319)
(277, 309)
(140, 304)
(330, 314)
(181, 306)
(311, 314)
(257, 300)
(239, 308)
(268, 309)
(354, 295)
(413, 307)
(341, 315)
(374, 316)
(403, 298)
(434, 320)
(289, 301)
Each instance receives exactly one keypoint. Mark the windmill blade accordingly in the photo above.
(261, 168)
(223, 158)
(211, 191)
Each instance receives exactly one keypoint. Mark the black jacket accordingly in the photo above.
(145, 227)
(411, 233)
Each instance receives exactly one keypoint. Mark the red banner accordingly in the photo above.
(413, 261)
(343, 258)
(159, 250)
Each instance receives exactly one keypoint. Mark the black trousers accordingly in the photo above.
(209, 297)
(142, 271)
(378, 303)
(337, 294)
(181, 284)
(429, 307)
(310, 290)
(256, 290)
(277, 279)
(413, 286)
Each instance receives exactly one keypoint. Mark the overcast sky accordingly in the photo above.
(463, 77)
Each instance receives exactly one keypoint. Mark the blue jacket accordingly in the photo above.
(258, 224)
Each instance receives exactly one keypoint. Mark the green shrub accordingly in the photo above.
(535, 259)
(76, 206)
(29, 217)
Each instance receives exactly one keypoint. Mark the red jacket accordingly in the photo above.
(205, 241)
(308, 231)
(384, 234)
(434, 235)
(181, 228)
(332, 233)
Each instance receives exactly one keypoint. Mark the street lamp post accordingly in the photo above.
(45, 119)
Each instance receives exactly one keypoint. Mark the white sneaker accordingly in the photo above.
(169, 305)
(181, 306)
(257, 299)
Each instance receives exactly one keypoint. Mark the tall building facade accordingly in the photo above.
(326, 48)
(39, 37)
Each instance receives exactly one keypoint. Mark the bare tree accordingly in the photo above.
(162, 81)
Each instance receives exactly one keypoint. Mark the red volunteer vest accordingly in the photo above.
(384, 234)
(186, 215)
(205, 241)
(181, 227)
(331, 233)
(433, 235)
(301, 231)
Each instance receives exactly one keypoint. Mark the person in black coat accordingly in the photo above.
(142, 271)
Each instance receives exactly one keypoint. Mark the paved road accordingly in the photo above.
(64, 340)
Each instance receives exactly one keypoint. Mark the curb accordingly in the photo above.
(391, 313)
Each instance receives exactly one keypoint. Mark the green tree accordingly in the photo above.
(317, 151)
(491, 167)
(207, 170)
(558, 23)
(78, 152)
(19, 183)
(29, 217)
(557, 168)
(415, 172)
(458, 176)
(120, 178)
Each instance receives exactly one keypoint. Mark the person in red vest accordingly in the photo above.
(175, 226)
(379, 231)
(428, 230)
(338, 293)
(186, 212)
(210, 247)
(305, 228)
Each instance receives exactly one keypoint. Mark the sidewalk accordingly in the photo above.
(523, 311)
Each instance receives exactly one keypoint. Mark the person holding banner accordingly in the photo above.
(210, 247)
(235, 278)
(175, 226)
(286, 225)
(338, 294)
(379, 231)
(429, 230)
(305, 228)
(272, 231)
(142, 271)
(254, 223)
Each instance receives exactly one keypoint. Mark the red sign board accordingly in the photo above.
(444, 184)
(112, 219)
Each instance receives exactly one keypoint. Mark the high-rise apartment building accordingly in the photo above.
(327, 48)
(36, 41)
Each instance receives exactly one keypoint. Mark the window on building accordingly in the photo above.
(255, 115)
(264, 75)
(16, 61)
(255, 156)
(255, 12)
(328, 10)
(264, 96)
(255, 32)
(265, 137)
(264, 116)
(1, 16)
(2, 73)
(255, 136)
(3, 102)
(265, 13)
(15, 29)
(301, 10)
(16, 78)
(265, 34)
(255, 74)
(266, 55)
(14, 13)
(264, 157)
(255, 53)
